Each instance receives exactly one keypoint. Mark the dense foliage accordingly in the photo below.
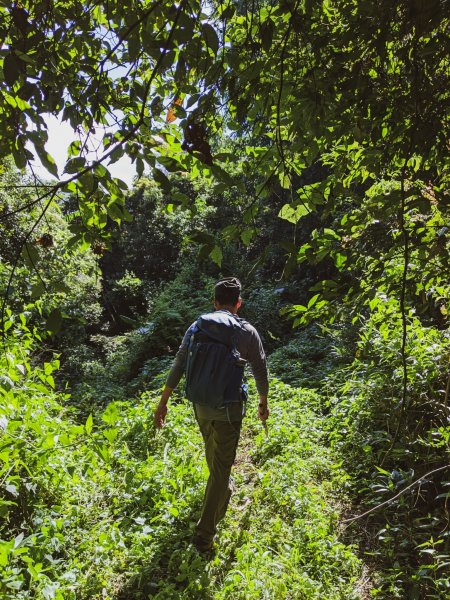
(104, 508)
(302, 146)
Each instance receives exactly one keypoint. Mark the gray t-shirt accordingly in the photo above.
(250, 348)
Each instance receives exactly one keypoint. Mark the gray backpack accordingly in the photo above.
(214, 367)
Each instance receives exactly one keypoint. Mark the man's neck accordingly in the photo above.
(231, 309)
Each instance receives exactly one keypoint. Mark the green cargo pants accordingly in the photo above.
(221, 439)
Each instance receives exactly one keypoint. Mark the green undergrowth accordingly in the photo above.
(105, 509)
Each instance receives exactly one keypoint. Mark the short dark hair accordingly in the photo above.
(227, 291)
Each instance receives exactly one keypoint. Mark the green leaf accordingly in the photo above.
(12, 489)
(75, 164)
(247, 236)
(89, 424)
(169, 163)
(289, 266)
(216, 255)
(222, 175)
(74, 148)
(111, 434)
(116, 154)
(48, 368)
(382, 471)
(129, 320)
(88, 182)
(19, 157)
(298, 308)
(21, 368)
(340, 260)
(20, 18)
(184, 34)
(329, 233)
(262, 189)
(50, 591)
(267, 29)
(168, 59)
(5, 549)
(11, 69)
(54, 321)
(313, 300)
(37, 289)
(111, 414)
(230, 232)
(162, 180)
(285, 180)
(134, 45)
(203, 237)
(181, 69)
(47, 160)
(140, 166)
(211, 37)
(250, 213)
(6, 382)
(204, 251)
(102, 172)
(115, 211)
(30, 255)
(180, 198)
(293, 213)
(192, 100)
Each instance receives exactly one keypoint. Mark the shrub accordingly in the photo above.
(261, 306)
(388, 446)
(126, 296)
(178, 305)
(304, 361)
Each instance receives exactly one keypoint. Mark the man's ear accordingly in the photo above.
(239, 303)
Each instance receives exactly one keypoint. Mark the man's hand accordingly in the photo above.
(160, 415)
(263, 410)
(161, 410)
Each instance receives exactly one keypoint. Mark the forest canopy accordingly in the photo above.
(323, 101)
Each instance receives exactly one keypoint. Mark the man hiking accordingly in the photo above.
(213, 355)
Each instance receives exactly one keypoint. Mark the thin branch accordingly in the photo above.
(28, 185)
(13, 270)
(403, 307)
(126, 33)
(278, 136)
(406, 253)
(386, 502)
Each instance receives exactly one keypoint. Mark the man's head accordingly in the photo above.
(227, 293)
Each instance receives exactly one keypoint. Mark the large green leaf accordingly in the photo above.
(54, 321)
(293, 213)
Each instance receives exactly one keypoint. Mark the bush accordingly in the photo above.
(261, 307)
(81, 503)
(305, 361)
(178, 306)
(387, 447)
(126, 296)
(115, 367)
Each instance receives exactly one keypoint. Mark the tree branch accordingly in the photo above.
(386, 502)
